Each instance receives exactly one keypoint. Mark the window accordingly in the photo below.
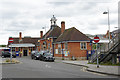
(59, 48)
(13, 48)
(66, 46)
(56, 51)
(48, 46)
(44, 45)
(83, 46)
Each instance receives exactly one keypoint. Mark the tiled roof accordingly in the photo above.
(72, 34)
(55, 32)
(25, 40)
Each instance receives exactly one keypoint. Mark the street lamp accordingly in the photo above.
(108, 23)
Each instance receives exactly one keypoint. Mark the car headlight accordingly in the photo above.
(47, 57)
(37, 56)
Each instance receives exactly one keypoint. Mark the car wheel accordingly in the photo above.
(35, 58)
(40, 59)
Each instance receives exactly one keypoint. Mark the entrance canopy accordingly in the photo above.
(22, 45)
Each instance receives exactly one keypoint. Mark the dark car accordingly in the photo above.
(33, 54)
(37, 55)
(7, 54)
(47, 57)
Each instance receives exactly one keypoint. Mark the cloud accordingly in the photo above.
(60, 3)
(29, 16)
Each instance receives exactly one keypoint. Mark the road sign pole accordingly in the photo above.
(11, 41)
(96, 40)
(97, 55)
(11, 54)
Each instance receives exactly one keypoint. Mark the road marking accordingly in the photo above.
(84, 70)
(47, 66)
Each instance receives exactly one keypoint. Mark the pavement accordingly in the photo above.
(109, 70)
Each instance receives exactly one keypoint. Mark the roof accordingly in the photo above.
(22, 45)
(116, 31)
(25, 40)
(72, 34)
(55, 32)
(101, 36)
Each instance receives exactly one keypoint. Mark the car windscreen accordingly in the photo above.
(38, 53)
(6, 53)
(48, 54)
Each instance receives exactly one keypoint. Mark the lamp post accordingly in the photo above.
(108, 23)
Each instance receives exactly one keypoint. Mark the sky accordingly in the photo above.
(29, 16)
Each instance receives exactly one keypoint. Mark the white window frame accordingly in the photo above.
(59, 46)
(66, 45)
(83, 45)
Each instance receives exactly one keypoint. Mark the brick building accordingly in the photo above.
(23, 45)
(46, 41)
(65, 43)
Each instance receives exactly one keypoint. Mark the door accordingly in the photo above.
(25, 53)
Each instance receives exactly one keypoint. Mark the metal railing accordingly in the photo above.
(105, 50)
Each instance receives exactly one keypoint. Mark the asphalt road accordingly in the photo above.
(29, 68)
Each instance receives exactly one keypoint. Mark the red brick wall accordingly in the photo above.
(47, 41)
(74, 50)
(56, 47)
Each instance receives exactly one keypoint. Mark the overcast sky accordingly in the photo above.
(29, 16)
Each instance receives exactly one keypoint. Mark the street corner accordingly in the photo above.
(8, 61)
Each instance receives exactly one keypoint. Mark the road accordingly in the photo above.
(29, 68)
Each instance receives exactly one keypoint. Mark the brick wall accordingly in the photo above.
(48, 42)
(74, 50)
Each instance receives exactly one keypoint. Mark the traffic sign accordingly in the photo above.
(10, 39)
(96, 39)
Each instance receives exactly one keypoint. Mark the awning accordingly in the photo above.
(4, 48)
(22, 45)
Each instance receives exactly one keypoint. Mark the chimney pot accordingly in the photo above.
(62, 26)
(41, 34)
(20, 35)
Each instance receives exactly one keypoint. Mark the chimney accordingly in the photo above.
(20, 36)
(62, 26)
(41, 34)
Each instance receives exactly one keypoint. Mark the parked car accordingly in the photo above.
(33, 54)
(37, 55)
(8, 54)
(46, 56)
